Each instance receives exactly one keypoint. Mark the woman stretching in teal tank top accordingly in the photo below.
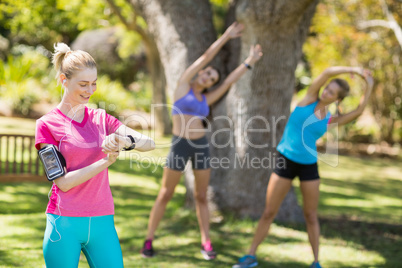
(297, 150)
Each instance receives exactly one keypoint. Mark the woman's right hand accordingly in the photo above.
(368, 76)
(112, 157)
(235, 30)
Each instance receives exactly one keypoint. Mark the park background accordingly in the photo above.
(360, 205)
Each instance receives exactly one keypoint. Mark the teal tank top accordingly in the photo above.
(302, 131)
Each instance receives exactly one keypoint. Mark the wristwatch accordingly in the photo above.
(132, 146)
(248, 66)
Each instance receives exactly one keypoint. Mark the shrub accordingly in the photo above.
(21, 97)
(111, 96)
(142, 92)
(18, 86)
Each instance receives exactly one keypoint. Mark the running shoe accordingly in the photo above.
(147, 251)
(315, 265)
(246, 261)
(207, 251)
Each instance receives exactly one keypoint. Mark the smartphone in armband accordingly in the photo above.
(53, 162)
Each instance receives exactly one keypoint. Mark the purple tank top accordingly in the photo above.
(189, 104)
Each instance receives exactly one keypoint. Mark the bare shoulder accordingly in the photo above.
(181, 90)
(307, 100)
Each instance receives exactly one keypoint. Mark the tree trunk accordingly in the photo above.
(183, 30)
(258, 106)
(162, 123)
(160, 120)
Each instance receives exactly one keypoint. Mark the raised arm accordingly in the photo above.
(254, 56)
(346, 118)
(314, 89)
(233, 31)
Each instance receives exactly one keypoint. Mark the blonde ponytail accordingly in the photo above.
(60, 51)
(67, 61)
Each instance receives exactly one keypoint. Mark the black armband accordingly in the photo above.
(53, 162)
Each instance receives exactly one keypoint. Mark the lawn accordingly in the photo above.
(360, 215)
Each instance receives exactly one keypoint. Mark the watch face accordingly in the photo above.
(132, 146)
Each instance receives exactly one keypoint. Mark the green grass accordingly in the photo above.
(360, 215)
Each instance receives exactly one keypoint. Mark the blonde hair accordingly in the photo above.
(67, 61)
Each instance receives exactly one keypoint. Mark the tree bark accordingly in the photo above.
(162, 121)
(183, 30)
(258, 106)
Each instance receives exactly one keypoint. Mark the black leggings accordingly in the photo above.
(184, 149)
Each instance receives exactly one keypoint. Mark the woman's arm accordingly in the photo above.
(233, 31)
(79, 176)
(314, 89)
(254, 56)
(346, 118)
(118, 140)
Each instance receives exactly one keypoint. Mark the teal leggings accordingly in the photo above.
(65, 237)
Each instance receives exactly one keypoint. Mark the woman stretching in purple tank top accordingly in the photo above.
(189, 141)
(307, 123)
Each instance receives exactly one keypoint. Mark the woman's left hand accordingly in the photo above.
(235, 30)
(367, 75)
(360, 71)
(112, 157)
(113, 143)
(255, 53)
